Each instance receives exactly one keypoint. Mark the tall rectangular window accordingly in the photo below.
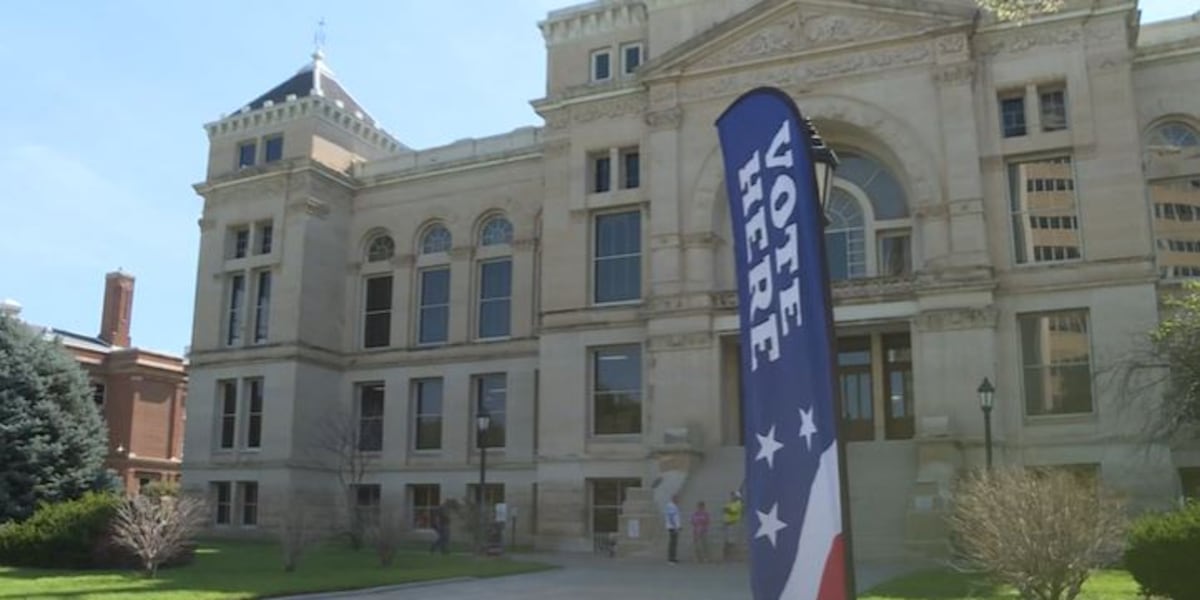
(239, 241)
(854, 378)
(370, 417)
(1056, 354)
(425, 499)
(266, 232)
(368, 498)
(237, 298)
(898, 382)
(434, 321)
(895, 253)
(1044, 188)
(1053, 104)
(631, 169)
(254, 412)
(1012, 115)
(248, 498)
(617, 390)
(223, 499)
(493, 494)
(228, 403)
(491, 399)
(247, 151)
(377, 320)
(631, 58)
(601, 65)
(98, 390)
(617, 275)
(428, 417)
(273, 148)
(606, 497)
(600, 169)
(262, 306)
(495, 298)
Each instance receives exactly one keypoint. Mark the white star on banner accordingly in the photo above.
(769, 524)
(807, 428)
(767, 446)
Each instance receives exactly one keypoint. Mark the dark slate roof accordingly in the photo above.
(312, 77)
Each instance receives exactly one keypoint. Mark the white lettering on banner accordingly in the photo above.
(774, 307)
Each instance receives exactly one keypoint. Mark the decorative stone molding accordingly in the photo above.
(724, 300)
(590, 20)
(608, 109)
(792, 74)
(824, 30)
(206, 224)
(952, 319)
(955, 74)
(665, 119)
(1108, 61)
(684, 341)
(704, 239)
(873, 287)
(664, 94)
(779, 37)
(311, 207)
(1018, 42)
(953, 47)
(460, 252)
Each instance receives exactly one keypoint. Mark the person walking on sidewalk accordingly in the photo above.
(700, 520)
(672, 514)
(731, 517)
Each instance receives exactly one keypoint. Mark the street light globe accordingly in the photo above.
(987, 394)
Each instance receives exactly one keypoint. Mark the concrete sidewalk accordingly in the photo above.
(593, 577)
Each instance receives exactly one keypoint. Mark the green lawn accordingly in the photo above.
(947, 585)
(252, 570)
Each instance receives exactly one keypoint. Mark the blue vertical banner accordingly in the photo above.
(796, 525)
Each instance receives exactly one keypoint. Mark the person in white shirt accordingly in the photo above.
(672, 514)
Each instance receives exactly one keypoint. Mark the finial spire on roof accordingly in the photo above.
(319, 40)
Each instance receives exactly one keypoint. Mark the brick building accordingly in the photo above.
(140, 393)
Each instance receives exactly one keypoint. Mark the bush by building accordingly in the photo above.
(67, 534)
(1164, 553)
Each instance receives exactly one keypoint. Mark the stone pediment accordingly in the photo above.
(777, 28)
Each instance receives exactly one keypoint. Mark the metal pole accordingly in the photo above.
(987, 434)
(479, 495)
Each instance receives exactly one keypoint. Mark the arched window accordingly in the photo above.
(1174, 133)
(496, 231)
(845, 244)
(869, 234)
(381, 247)
(1174, 185)
(437, 239)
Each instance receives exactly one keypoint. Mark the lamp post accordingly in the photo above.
(481, 423)
(824, 164)
(987, 398)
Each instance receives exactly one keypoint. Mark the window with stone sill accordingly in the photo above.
(433, 312)
(601, 61)
(377, 311)
(248, 502)
(1056, 354)
(368, 499)
(869, 231)
(273, 148)
(1012, 114)
(370, 417)
(427, 414)
(631, 57)
(247, 153)
(617, 390)
(265, 237)
(1174, 134)
(254, 412)
(1052, 101)
(239, 242)
(617, 257)
(1042, 191)
(491, 399)
(1176, 200)
(236, 300)
(495, 298)
(424, 499)
(606, 496)
(223, 501)
(599, 172)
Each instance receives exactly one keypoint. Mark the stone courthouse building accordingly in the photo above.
(1012, 203)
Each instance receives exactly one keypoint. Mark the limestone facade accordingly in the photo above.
(1012, 202)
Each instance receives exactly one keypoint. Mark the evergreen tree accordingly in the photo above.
(52, 439)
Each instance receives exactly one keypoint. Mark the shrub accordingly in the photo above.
(1162, 553)
(1040, 532)
(159, 489)
(157, 529)
(60, 535)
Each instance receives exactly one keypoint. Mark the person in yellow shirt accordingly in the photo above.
(731, 518)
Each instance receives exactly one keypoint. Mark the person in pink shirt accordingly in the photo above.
(700, 520)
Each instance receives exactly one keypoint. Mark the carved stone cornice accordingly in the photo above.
(961, 73)
(780, 37)
(608, 109)
(1019, 41)
(557, 119)
(668, 118)
(951, 48)
(803, 72)
(680, 341)
(874, 288)
(952, 319)
(310, 206)
(1108, 61)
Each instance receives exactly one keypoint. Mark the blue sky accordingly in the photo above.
(104, 103)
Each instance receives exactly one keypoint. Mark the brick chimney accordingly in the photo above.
(118, 307)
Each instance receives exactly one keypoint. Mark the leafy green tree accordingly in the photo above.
(52, 440)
